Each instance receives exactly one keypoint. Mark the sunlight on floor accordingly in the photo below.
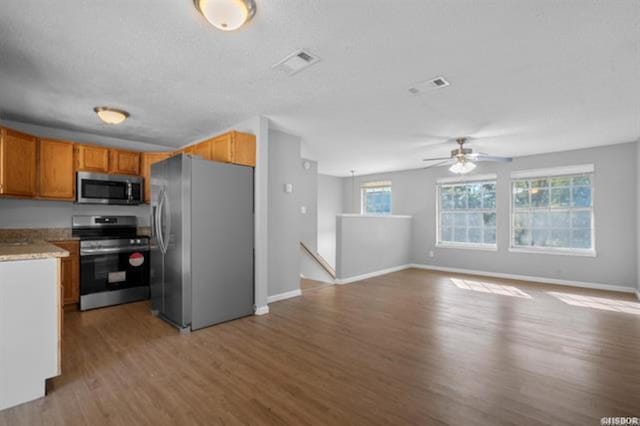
(483, 287)
(598, 303)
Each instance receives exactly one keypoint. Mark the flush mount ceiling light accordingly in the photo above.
(111, 115)
(227, 15)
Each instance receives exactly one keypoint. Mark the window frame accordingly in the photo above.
(568, 171)
(489, 178)
(376, 184)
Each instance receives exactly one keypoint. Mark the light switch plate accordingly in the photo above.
(303, 209)
(288, 188)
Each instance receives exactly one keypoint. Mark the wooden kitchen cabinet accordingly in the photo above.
(56, 177)
(146, 160)
(70, 271)
(202, 150)
(91, 158)
(124, 162)
(17, 163)
(234, 147)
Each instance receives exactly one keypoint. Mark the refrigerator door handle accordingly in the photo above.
(167, 207)
(159, 223)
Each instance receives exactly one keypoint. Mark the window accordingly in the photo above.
(467, 213)
(553, 212)
(376, 198)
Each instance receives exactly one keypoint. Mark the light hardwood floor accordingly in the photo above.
(412, 347)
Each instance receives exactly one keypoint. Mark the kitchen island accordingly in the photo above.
(30, 319)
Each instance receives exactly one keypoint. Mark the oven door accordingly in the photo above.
(110, 271)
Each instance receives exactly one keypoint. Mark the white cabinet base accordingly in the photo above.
(29, 328)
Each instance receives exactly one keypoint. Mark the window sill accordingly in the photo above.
(556, 252)
(480, 247)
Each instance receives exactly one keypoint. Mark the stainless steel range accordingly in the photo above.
(114, 260)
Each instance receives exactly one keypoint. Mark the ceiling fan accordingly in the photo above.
(463, 159)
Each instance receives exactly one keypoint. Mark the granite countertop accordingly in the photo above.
(36, 234)
(29, 250)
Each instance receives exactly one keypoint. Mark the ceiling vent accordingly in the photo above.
(296, 62)
(425, 86)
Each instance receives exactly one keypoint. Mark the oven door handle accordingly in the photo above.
(110, 250)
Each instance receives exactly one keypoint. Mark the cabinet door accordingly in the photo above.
(222, 148)
(147, 159)
(70, 272)
(56, 178)
(244, 149)
(17, 163)
(202, 150)
(125, 162)
(91, 158)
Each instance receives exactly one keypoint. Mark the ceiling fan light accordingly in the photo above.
(111, 115)
(462, 167)
(227, 15)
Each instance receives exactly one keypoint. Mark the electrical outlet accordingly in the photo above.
(431, 254)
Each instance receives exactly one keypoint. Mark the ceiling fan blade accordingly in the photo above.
(441, 163)
(485, 157)
(437, 159)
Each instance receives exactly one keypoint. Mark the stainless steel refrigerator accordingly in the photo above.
(202, 242)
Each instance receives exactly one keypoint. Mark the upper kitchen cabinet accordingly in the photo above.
(146, 160)
(55, 170)
(17, 163)
(91, 158)
(234, 147)
(202, 150)
(124, 162)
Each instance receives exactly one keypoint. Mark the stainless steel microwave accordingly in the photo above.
(98, 188)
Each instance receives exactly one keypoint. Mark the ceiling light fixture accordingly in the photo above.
(462, 167)
(111, 115)
(227, 15)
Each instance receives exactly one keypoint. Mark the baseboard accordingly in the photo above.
(261, 310)
(542, 280)
(355, 278)
(283, 296)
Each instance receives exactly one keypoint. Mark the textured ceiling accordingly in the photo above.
(526, 76)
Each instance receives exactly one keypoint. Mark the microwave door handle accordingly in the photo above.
(129, 191)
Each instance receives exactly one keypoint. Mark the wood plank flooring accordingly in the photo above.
(412, 347)
(306, 284)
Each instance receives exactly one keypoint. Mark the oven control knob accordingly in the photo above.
(138, 241)
(132, 241)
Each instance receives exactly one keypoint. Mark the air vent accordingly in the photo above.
(296, 62)
(428, 85)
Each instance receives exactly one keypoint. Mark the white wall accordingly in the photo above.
(637, 170)
(18, 213)
(284, 213)
(329, 206)
(367, 244)
(307, 195)
(615, 200)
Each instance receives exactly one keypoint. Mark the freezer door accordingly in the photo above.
(158, 182)
(172, 217)
(221, 242)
